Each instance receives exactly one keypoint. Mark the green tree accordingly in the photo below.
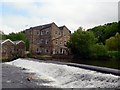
(117, 38)
(81, 42)
(113, 43)
(99, 51)
(103, 32)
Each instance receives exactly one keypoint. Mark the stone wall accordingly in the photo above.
(8, 50)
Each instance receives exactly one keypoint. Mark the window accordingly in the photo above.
(46, 42)
(42, 32)
(64, 34)
(38, 33)
(31, 32)
(41, 41)
(47, 32)
(46, 50)
(38, 43)
(56, 42)
(37, 49)
(59, 33)
(40, 50)
(60, 42)
(65, 42)
(56, 32)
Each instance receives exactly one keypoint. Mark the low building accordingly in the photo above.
(7, 50)
(19, 48)
(11, 49)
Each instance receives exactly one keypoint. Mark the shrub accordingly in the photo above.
(114, 55)
(99, 51)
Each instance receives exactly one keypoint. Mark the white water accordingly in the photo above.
(63, 76)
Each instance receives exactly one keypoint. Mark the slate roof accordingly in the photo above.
(41, 27)
(16, 42)
(61, 27)
(3, 41)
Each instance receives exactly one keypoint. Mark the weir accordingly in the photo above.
(65, 76)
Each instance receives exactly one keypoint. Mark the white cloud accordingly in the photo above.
(72, 13)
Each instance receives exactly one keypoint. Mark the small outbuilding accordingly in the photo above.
(11, 49)
(19, 48)
(7, 50)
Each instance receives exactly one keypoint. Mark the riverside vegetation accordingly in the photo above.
(97, 46)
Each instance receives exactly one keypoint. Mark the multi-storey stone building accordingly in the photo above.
(48, 39)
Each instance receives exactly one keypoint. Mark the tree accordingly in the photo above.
(113, 43)
(81, 42)
(99, 51)
(117, 38)
(103, 32)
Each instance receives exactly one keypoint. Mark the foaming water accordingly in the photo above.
(63, 76)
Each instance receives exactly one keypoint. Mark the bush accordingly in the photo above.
(114, 55)
(99, 51)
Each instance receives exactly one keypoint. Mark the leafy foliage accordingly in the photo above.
(99, 51)
(96, 42)
(113, 43)
(81, 43)
(105, 31)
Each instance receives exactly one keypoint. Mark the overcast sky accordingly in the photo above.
(18, 15)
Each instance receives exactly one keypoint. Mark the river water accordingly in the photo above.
(63, 76)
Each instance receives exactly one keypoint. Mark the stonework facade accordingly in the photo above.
(7, 49)
(10, 50)
(19, 48)
(48, 39)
